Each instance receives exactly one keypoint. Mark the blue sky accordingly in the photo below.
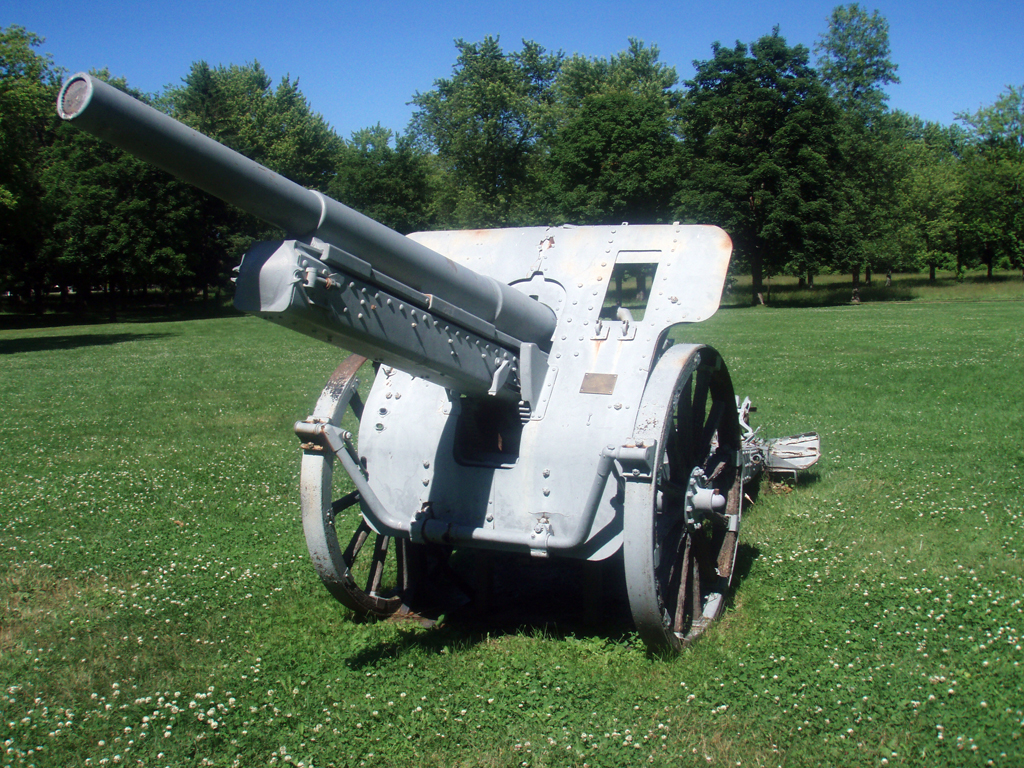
(359, 63)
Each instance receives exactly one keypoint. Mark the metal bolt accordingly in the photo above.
(546, 491)
(426, 465)
(636, 473)
(426, 481)
(490, 518)
(546, 473)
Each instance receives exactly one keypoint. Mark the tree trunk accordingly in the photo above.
(618, 287)
(810, 279)
(756, 276)
(931, 271)
(641, 284)
(855, 274)
(112, 302)
(867, 275)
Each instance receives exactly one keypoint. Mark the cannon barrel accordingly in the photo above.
(150, 135)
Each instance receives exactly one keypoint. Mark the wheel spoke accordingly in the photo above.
(700, 396)
(380, 552)
(684, 428)
(345, 502)
(710, 428)
(682, 590)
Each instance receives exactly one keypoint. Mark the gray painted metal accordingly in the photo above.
(152, 136)
(408, 442)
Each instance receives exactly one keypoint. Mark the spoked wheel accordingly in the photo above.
(371, 573)
(681, 526)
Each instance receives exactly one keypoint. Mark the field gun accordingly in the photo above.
(510, 410)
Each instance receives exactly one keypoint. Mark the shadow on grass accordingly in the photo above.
(17, 321)
(50, 343)
(746, 556)
(792, 297)
(558, 598)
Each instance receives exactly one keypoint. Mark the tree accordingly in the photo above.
(615, 160)
(28, 91)
(853, 59)
(238, 106)
(758, 149)
(386, 177)
(115, 219)
(929, 193)
(994, 178)
(636, 70)
(614, 155)
(484, 123)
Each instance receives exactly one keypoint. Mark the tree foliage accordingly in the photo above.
(485, 123)
(386, 177)
(805, 167)
(853, 59)
(758, 152)
(994, 178)
(28, 90)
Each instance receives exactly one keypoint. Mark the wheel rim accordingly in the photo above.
(679, 561)
(370, 574)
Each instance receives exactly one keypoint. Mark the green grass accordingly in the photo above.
(157, 606)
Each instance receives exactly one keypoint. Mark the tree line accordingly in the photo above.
(802, 162)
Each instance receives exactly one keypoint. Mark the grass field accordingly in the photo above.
(835, 290)
(157, 606)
